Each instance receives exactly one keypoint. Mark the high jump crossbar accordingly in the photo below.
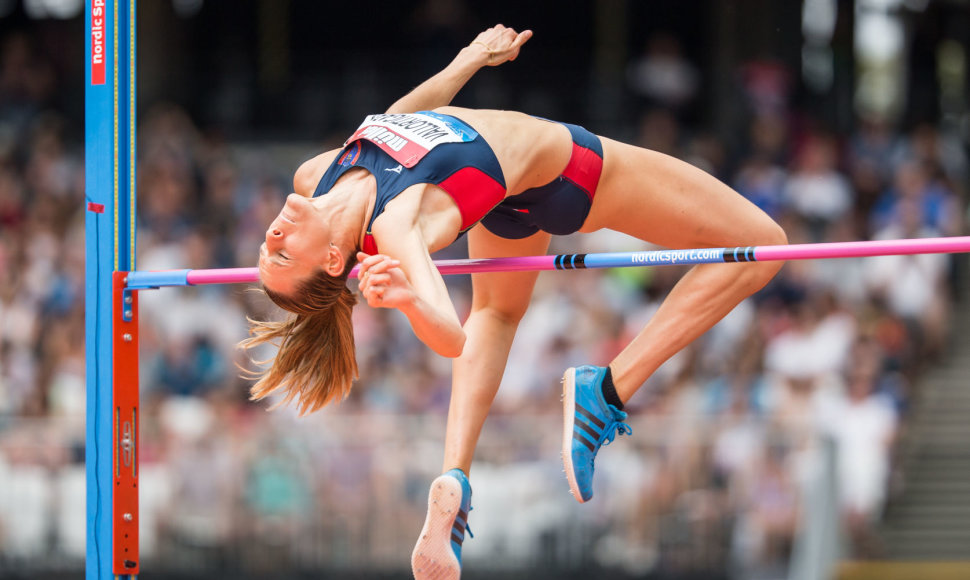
(141, 280)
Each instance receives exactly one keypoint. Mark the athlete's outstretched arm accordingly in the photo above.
(492, 47)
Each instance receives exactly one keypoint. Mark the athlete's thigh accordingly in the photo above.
(666, 201)
(507, 292)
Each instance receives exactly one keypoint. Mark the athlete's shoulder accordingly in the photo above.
(308, 174)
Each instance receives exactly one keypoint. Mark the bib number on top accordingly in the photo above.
(408, 137)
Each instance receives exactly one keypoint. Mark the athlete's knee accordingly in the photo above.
(507, 302)
(771, 234)
(759, 230)
(509, 315)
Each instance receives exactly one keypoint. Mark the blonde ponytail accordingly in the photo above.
(316, 362)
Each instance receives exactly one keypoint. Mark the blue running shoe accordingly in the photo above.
(589, 423)
(437, 554)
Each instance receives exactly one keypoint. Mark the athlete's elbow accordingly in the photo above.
(453, 348)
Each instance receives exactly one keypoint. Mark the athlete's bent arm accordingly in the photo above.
(490, 48)
(406, 278)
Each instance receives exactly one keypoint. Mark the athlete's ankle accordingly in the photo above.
(609, 390)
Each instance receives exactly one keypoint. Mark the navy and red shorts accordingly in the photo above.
(559, 207)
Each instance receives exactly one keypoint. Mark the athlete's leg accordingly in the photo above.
(499, 300)
(666, 201)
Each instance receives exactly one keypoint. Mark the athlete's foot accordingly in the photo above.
(437, 554)
(589, 422)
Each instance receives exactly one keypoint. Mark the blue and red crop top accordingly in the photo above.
(401, 150)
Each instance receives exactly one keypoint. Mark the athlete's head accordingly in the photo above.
(298, 243)
(305, 273)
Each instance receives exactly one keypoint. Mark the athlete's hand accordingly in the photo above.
(499, 44)
(382, 283)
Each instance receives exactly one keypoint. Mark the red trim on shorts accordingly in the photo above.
(474, 192)
(584, 169)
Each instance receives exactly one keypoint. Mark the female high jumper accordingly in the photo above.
(410, 182)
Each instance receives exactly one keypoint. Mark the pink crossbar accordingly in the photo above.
(139, 280)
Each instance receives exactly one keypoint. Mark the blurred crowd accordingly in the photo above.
(714, 476)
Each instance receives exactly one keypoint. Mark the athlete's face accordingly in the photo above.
(297, 244)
